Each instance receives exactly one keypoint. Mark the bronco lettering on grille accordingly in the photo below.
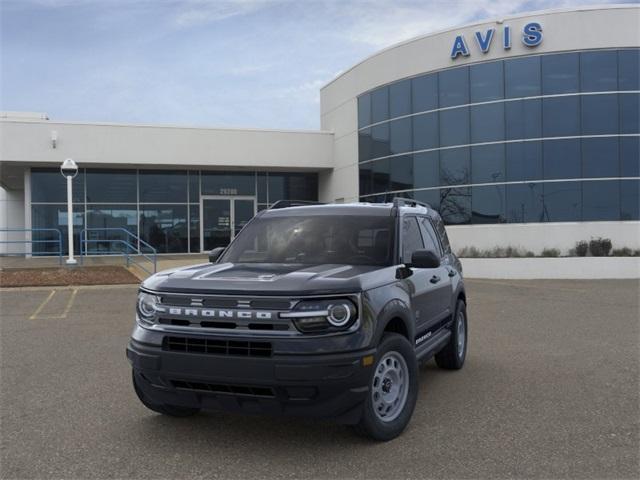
(216, 313)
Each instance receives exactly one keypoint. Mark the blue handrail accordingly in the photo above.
(31, 241)
(132, 246)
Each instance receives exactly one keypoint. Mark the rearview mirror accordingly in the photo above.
(424, 259)
(215, 254)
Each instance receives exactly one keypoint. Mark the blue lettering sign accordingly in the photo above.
(532, 34)
(506, 37)
(459, 47)
(485, 42)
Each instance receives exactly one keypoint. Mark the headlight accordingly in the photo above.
(323, 315)
(147, 306)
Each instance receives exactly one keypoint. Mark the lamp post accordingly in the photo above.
(69, 170)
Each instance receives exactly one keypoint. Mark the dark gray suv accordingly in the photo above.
(315, 310)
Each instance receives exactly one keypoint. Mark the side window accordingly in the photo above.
(429, 236)
(442, 233)
(411, 238)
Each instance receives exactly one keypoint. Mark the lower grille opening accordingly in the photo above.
(217, 347)
(247, 390)
(218, 325)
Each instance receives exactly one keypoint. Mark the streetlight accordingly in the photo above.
(69, 170)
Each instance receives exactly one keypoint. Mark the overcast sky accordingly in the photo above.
(235, 63)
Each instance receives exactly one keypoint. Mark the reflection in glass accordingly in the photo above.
(48, 185)
(601, 200)
(561, 116)
(165, 227)
(560, 73)
(400, 135)
(400, 98)
(561, 159)
(522, 77)
(629, 69)
(524, 161)
(380, 141)
(599, 71)
(454, 87)
(523, 119)
(455, 168)
(487, 81)
(194, 228)
(364, 110)
(487, 123)
(380, 105)
(426, 169)
(293, 186)
(365, 177)
(562, 201)
(524, 203)
(115, 218)
(425, 131)
(166, 186)
(455, 205)
(381, 177)
(53, 216)
(365, 145)
(630, 157)
(430, 197)
(629, 113)
(424, 93)
(401, 172)
(194, 186)
(487, 164)
(599, 114)
(112, 186)
(454, 127)
(629, 199)
(488, 204)
(600, 157)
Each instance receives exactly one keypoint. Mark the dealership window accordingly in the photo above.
(112, 222)
(454, 127)
(630, 157)
(48, 185)
(629, 204)
(167, 186)
(560, 73)
(400, 99)
(401, 174)
(425, 131)
(487, 123)
(524, 203)
(365, 145)
(364, 110)
(600, 157)
(523, 161)
(380, 140)
(194, 228)
(599, 114)
(455, 168)
(629, 69)
(601, 200)
(562, 201)
(488, 204)
(454, 87)
(523, 119)
(629, 113)
(55, 216)
(486, 81)
(380, 176)
(426, 169)
(380, 105)
(455, 205)
(599, 71)
(522, 77)
(561, 116)
(365, 178)
(112, 186)
(430, 197)
(561, 159)
(488, 164)
(165, 227)
(237, 183)
(424, 93)
(292, 186)
(194, 186)
(400, 135)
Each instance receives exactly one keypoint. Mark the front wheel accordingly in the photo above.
(452, 356)
(393, 390)
(164, 409)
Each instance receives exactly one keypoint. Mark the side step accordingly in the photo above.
(431, 346)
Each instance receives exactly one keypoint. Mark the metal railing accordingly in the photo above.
(32, 242)
(131, 243)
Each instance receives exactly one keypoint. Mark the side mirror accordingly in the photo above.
(424, 259)
(214, 254)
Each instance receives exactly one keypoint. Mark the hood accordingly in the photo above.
(269, 279)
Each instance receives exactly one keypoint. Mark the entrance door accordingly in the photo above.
(221, 218)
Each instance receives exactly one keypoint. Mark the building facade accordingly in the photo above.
(521, 131)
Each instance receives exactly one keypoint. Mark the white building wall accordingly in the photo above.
(11, 217)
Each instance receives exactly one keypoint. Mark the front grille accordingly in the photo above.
(217, 347)
(255, 391)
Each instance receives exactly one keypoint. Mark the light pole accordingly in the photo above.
(69, 170)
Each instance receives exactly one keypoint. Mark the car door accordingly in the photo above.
(420, 288)
(440, 287)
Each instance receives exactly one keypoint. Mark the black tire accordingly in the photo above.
(371, 425)
(170, 410)
(452, 357)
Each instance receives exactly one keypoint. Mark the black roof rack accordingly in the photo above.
(293, 203)
(407, 202)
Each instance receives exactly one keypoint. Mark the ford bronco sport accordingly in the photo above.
(319, 310)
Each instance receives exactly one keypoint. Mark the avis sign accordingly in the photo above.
(531, 37)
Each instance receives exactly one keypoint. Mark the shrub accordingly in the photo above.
(600, 247)
(550, 252)
(469, 252)
(625, 252)
(581, 249)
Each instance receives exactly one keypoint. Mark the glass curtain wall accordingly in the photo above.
(162, 207)
(541, 138)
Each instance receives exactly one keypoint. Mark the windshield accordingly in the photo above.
(315, 240)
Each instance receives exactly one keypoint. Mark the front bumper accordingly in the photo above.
(324, 386)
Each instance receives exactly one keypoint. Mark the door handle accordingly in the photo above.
(435, 279)
(452, 272)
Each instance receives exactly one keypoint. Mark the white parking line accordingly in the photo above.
(65, 312)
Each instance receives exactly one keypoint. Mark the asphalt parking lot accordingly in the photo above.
(550, 390)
